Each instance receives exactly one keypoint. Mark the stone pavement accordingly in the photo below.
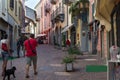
(50, 67)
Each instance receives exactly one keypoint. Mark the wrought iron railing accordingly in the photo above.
(57, 13)
(60, 10)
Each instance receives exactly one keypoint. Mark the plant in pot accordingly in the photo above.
(68, 61)
(74, 51)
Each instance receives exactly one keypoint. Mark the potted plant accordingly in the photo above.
(68, 61)
(74, 51)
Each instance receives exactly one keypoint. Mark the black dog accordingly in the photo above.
(9, 72)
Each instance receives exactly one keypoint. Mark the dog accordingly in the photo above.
(9, 72)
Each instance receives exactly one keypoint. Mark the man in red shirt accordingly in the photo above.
(31, 54)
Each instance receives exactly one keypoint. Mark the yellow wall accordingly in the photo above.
(69, 34)
(79, 31)
(12, 11)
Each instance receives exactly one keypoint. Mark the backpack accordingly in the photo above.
(4, 47)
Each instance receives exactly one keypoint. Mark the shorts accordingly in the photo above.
(31, 59)
(5, 55)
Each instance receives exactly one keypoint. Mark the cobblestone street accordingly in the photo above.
(50, 67)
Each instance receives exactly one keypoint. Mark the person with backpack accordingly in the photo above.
(31, 54)
(5, 51)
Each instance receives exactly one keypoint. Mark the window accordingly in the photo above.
(19, 13)
(3, 7)
(16, 7)
(12, 4)
(93, 5)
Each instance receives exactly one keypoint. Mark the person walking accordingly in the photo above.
(23, 38)
(19, 42)
(5, 51)
(31, 54)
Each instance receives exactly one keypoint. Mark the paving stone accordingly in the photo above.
(50, 67)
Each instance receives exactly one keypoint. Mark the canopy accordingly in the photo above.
(102, 12)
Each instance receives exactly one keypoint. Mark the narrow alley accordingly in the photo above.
(50, 66)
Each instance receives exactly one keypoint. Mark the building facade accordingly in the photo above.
(108, 32)
(38, 16)
(10, 20)
(58, 21)
(43, 16)
(3, 18)
(30, 20)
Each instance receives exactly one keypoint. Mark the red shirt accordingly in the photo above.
(33, 43)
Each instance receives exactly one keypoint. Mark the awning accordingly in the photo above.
(102, 12)
(39, 35)
(66, 28)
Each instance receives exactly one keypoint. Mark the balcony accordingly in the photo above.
(47, 8)
(58, 14)
(68, 1)
(53, 1)
(54, 18)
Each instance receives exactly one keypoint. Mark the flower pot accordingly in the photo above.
(68, 67)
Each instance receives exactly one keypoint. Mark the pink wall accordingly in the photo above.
(45, 19)
(90, 19)
(90, 10)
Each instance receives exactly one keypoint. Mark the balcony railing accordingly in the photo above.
(60, 10)
(58, 14)
(53, 1)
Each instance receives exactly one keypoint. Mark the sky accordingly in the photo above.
(31, 3)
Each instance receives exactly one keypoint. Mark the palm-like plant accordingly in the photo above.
(75, 7)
